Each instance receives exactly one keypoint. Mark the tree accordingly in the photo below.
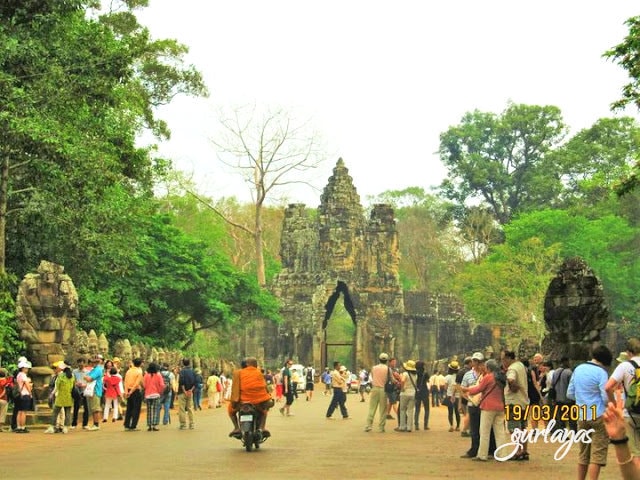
(627, 55)
(596, 158)
(77, 90)
(430, 252)
(269, 151)
(503, 159)
(507, 289)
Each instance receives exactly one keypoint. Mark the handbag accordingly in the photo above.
(90, 390)
(389, 386)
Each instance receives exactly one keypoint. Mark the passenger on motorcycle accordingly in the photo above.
(249, 386)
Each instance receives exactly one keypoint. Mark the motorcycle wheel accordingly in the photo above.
(247, 439)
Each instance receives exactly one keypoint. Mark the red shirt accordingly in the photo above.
(492, 398)
(112, 386)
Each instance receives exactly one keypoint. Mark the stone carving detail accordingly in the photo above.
(575, 311)
(46, 311)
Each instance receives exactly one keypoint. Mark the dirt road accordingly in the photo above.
(303, 446)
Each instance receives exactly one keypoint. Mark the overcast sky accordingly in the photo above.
(382, 80)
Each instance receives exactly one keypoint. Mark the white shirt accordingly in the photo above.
(624, 373)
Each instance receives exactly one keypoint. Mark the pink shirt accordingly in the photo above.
(379, 375)
(153, 385)
(492, 398)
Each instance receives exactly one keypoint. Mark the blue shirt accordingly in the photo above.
(97, 373)
(586, 387)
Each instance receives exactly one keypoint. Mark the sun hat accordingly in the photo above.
(116, 359)
(623, 357)
(24, 364)
(454, 365)
(478, 356)
(409, 365)
(61, 365)
(343, 368)
(383, 356)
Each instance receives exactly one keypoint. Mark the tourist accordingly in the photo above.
(63, 399)
(407, 399)
(295, 380)
(422, 396)
(80, 400)
(165, 400)
(453, 396)
(462, 407)
(491, 406)
(560, 383)
(435, 390)
(186, 386)
(197, 392)
(309, 376)
(442, 387)
(471, 379)
(378, 397)
(96, 376)
(339, 384)
(365, 383)
(117, 362)
(287, 387)
(326, 380)
(213, 390)
(516, 396)
(24, 403)
(269, 378)
(623, 375)
(112, 393)
(587, 388)
(615, 425)
(393, 396)
(534, 389)
(4, 397)
(133, 383)
(153, 391)
(174, 385)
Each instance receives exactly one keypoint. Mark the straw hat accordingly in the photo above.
(409, 365)
(454, 365)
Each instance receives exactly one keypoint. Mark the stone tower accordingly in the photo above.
(337, 252)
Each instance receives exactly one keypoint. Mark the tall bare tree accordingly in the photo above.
(269, 151)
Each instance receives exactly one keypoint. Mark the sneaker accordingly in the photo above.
(183, 427)
(93, 428)
(65, 430)
(73, 427)
(465, 434)
(84, 427)
(367, 428)
(50, 430)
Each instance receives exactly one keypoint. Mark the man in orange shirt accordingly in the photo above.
(249, 386)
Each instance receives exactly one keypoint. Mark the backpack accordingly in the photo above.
(309, 375)
(632, 401)
(365, 377)
(167, 382)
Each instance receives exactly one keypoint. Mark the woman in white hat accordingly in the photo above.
(408, 381)
(25, 402)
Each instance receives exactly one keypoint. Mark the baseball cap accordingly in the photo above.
(478, 356)
(383, 356)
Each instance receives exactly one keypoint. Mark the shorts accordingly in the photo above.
(309, 387)
(393, 397)
(596, 451)
(520, 424)
(24, 403)
(289, 396)
(94, 404)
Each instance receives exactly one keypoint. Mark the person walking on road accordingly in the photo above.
(338, 383)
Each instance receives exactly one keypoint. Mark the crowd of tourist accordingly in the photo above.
(491, 401)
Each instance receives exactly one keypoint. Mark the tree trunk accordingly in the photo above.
(4, 194)
(257, 237)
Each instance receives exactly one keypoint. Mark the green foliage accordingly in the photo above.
(503, 159)
(608, 244)
(10, 343)
(507, 289)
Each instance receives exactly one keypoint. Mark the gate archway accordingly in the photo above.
(341, 291)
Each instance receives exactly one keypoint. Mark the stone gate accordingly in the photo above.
(336, 254)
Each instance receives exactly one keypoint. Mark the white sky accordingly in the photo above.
(382, 80)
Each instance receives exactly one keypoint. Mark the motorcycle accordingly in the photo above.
(249, 422)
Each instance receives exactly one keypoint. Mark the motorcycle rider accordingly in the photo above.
(249, 386)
